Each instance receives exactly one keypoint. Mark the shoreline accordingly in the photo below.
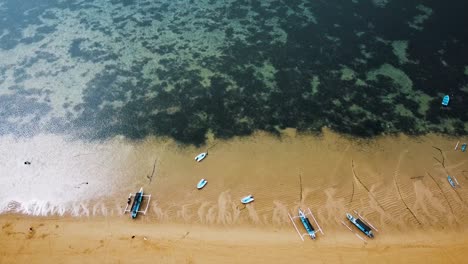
(328, 174)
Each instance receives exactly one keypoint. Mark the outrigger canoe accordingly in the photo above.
(307, 225)
(201, 184)
(137, 202)
(201, 156)
(359, 224)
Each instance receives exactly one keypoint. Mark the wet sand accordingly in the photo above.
(398, 183)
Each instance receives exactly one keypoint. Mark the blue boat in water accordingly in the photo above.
(446, 100)
(463, 147)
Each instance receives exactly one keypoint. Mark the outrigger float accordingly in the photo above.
(362, 224)
(136, 204)
(311, 232)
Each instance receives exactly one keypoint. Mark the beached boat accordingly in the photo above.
(137, 202)
(446, 100)
(134, 207)
(310, 231)
(450, 181)
(201, 184)
(201, 156)
(247, 199)
(307, 225)
(360, 225)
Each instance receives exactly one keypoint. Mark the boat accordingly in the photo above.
(201, 156)
(451, 181)
(137, 202)
(201, 184)
(311, 231)
(446, 100)
(134, 207)
(359, 224)
(307, 225)
(247, 199)
(463, 147)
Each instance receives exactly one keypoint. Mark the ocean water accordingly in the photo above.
(188, 70)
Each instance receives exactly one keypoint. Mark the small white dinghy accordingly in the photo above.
(247, 199)
(201, 156)
(201, 184)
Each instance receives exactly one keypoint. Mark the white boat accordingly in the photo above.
(201, 156)
(247, 199)
(201, 184)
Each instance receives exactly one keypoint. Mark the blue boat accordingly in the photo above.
(201, 184)
(446, 100)
(359, 224)
(247, 199)
(451, 181)
(307, 225)
(463, 147)
(137, 202)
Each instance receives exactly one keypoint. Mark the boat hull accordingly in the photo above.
(201, 156)
(307, 225)
(360, 225)
(446, 100)
(451, 181)
(201, 184)
(137, 203)
(247, 199)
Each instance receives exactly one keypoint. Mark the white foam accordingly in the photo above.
(64, 177)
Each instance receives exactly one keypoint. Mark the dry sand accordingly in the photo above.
(398, 183)
(63, 240)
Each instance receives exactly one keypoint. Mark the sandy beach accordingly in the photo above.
(398, 183)
(59, 240)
